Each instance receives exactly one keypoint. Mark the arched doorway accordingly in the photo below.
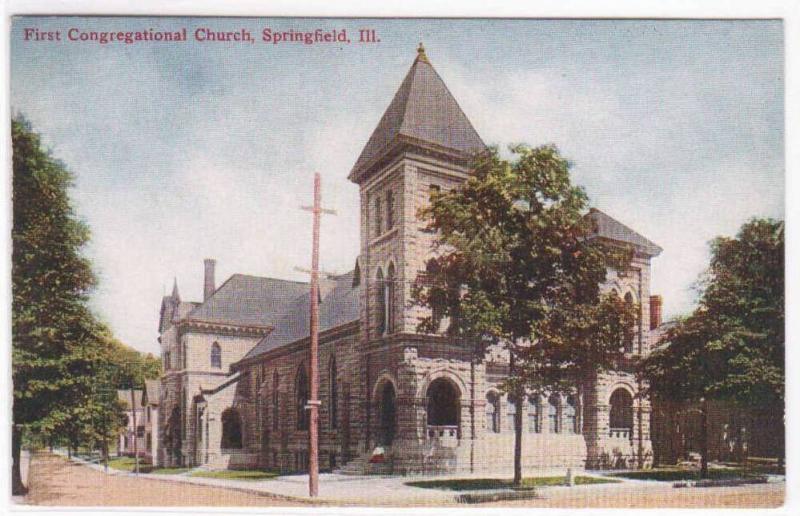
(387, 414)
(443, 409)
(173, 434)
(231, 429)
(621, 414)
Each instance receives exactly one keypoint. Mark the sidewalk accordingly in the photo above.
(354, 489)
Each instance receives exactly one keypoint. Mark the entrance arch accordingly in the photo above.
(621, 413)
(387, 413)
(443, 408)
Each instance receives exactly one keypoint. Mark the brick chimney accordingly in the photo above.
(655, 312)
(208, 281)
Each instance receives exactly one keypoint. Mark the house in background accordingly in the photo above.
(125, 444)
(150, 401)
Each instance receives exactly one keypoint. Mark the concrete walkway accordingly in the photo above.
(393, 491)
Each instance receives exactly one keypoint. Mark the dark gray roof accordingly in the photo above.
(422, 109)
(248, 300)
(612, 229)
(339, 306)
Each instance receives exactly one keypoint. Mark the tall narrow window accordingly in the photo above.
(390, 299)
(552, 414)
(216, 356)
(511, 412)
(389, 210)
(334, 395)
(301, 393)
(356, 276)
(571, 416)
(437, 298)
(534, 420)
(275, 401)
(492, 413)
(629, 337)
(381, 302)
(378, 217)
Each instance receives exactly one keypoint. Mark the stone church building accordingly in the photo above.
(237, 364)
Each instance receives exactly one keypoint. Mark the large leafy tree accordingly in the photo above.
(517, 267)
(732, 346)
(51, 280)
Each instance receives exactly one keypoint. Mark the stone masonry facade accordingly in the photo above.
(236, 380)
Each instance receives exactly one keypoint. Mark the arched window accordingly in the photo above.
(378, 217)
(387, 406)
(231, 429)
(621, 413)
(629, 337)
(389, 210)
(534, 418)
(356, 276)
(492, 412)
(216, 356)
(275, 401)
(444, 407)
(390, 299)
(301, 393)
(334, 395)
(571, 416)
(552, 413)
(511, 412)
(381, 299)
(437, 300)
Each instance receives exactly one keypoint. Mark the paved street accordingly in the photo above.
(56, 481)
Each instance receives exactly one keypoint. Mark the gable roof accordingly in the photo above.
(152, 392)
(339, 306)
(610, 228)
(422, 109)
(248, 301)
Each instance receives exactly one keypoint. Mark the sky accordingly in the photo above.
(186, 151)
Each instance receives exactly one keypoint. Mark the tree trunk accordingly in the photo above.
(17, 487)
(517, 401)
(135, 432)
(704, 440)
(518, 441)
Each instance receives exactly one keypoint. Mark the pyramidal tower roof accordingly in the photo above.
(423, 112)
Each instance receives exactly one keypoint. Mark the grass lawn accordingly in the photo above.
(672, 475)
(237, 474)
(169, 471)
(477, 484)
(127, 464)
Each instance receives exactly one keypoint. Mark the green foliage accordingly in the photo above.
(732, 346)
(516, 266)
(66, 366)
(51, 324)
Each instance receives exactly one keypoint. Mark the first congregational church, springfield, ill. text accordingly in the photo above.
(236, 371)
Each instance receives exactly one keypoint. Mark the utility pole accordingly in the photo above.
(313, 402)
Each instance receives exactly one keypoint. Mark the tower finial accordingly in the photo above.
(421, 53)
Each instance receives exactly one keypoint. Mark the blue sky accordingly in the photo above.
(187, 151)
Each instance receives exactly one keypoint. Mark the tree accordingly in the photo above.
(51, 280)
(517, 267)
(731, 348)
